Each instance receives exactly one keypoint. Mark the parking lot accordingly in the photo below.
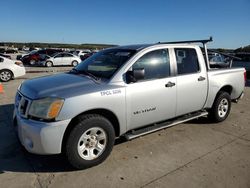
(193, 154)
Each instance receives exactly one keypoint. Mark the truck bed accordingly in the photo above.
(225, 77)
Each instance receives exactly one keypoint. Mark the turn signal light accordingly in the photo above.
(55, 108)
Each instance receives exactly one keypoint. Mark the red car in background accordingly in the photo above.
(40, 55)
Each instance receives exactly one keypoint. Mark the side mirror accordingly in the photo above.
(135, 75)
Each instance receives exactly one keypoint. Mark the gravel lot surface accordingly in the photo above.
(193, 154)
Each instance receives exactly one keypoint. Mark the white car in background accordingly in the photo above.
(81, 52)
(10, 69)
(62, 58)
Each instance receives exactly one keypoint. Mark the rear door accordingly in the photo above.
(67, 59)
(192, 85)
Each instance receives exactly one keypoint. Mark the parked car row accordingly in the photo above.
(63, 58)
(34, 57)
(54, 57)
(8, 51)
(10, 69)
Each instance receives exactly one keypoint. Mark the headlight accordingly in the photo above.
(47, 108)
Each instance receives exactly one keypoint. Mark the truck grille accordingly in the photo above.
(22, 105)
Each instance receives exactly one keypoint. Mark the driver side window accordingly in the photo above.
(156, 64)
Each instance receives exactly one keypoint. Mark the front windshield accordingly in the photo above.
(105, 63)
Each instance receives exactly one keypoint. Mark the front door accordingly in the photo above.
(153, 98)
(58, 59)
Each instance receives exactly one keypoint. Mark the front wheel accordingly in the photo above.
(90, 142)
(32, 62)
(221, 107)
(49, 64)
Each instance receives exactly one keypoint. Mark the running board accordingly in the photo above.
(158, 126)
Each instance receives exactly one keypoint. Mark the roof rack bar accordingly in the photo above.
(204, 41)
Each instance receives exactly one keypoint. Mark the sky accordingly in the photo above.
(125, 22)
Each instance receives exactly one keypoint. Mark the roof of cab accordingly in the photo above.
(139, 47)
(136, 47)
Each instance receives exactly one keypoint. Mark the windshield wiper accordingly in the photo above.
(74, 70)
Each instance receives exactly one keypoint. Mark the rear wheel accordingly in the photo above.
(90, 142)
(5, 75)
(221, 107)
(49, 64)
(74, 63)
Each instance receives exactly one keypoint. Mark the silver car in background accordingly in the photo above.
(63, 58)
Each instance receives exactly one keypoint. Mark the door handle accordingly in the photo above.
(170, 84)
(201, 78)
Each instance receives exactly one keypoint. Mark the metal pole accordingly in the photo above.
(206, 55)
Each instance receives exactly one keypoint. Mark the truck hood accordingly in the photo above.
(60, 85)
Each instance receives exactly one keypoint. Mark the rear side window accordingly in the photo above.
(1, 60)
(155, 63)
(67, 55)
(187, 61)
(59, 55)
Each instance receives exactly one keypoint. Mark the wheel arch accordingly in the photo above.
(103, 112)
(225, 88)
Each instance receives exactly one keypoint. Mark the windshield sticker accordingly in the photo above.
(110, 92)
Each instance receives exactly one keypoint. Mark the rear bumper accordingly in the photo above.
(40, 137)
(20, 71)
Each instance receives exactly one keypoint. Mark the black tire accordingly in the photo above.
(6, 75)
(49, 64)
(74, 63)
(73, 143)
(218, 113)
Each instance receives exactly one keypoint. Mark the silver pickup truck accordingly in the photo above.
(125, 91)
